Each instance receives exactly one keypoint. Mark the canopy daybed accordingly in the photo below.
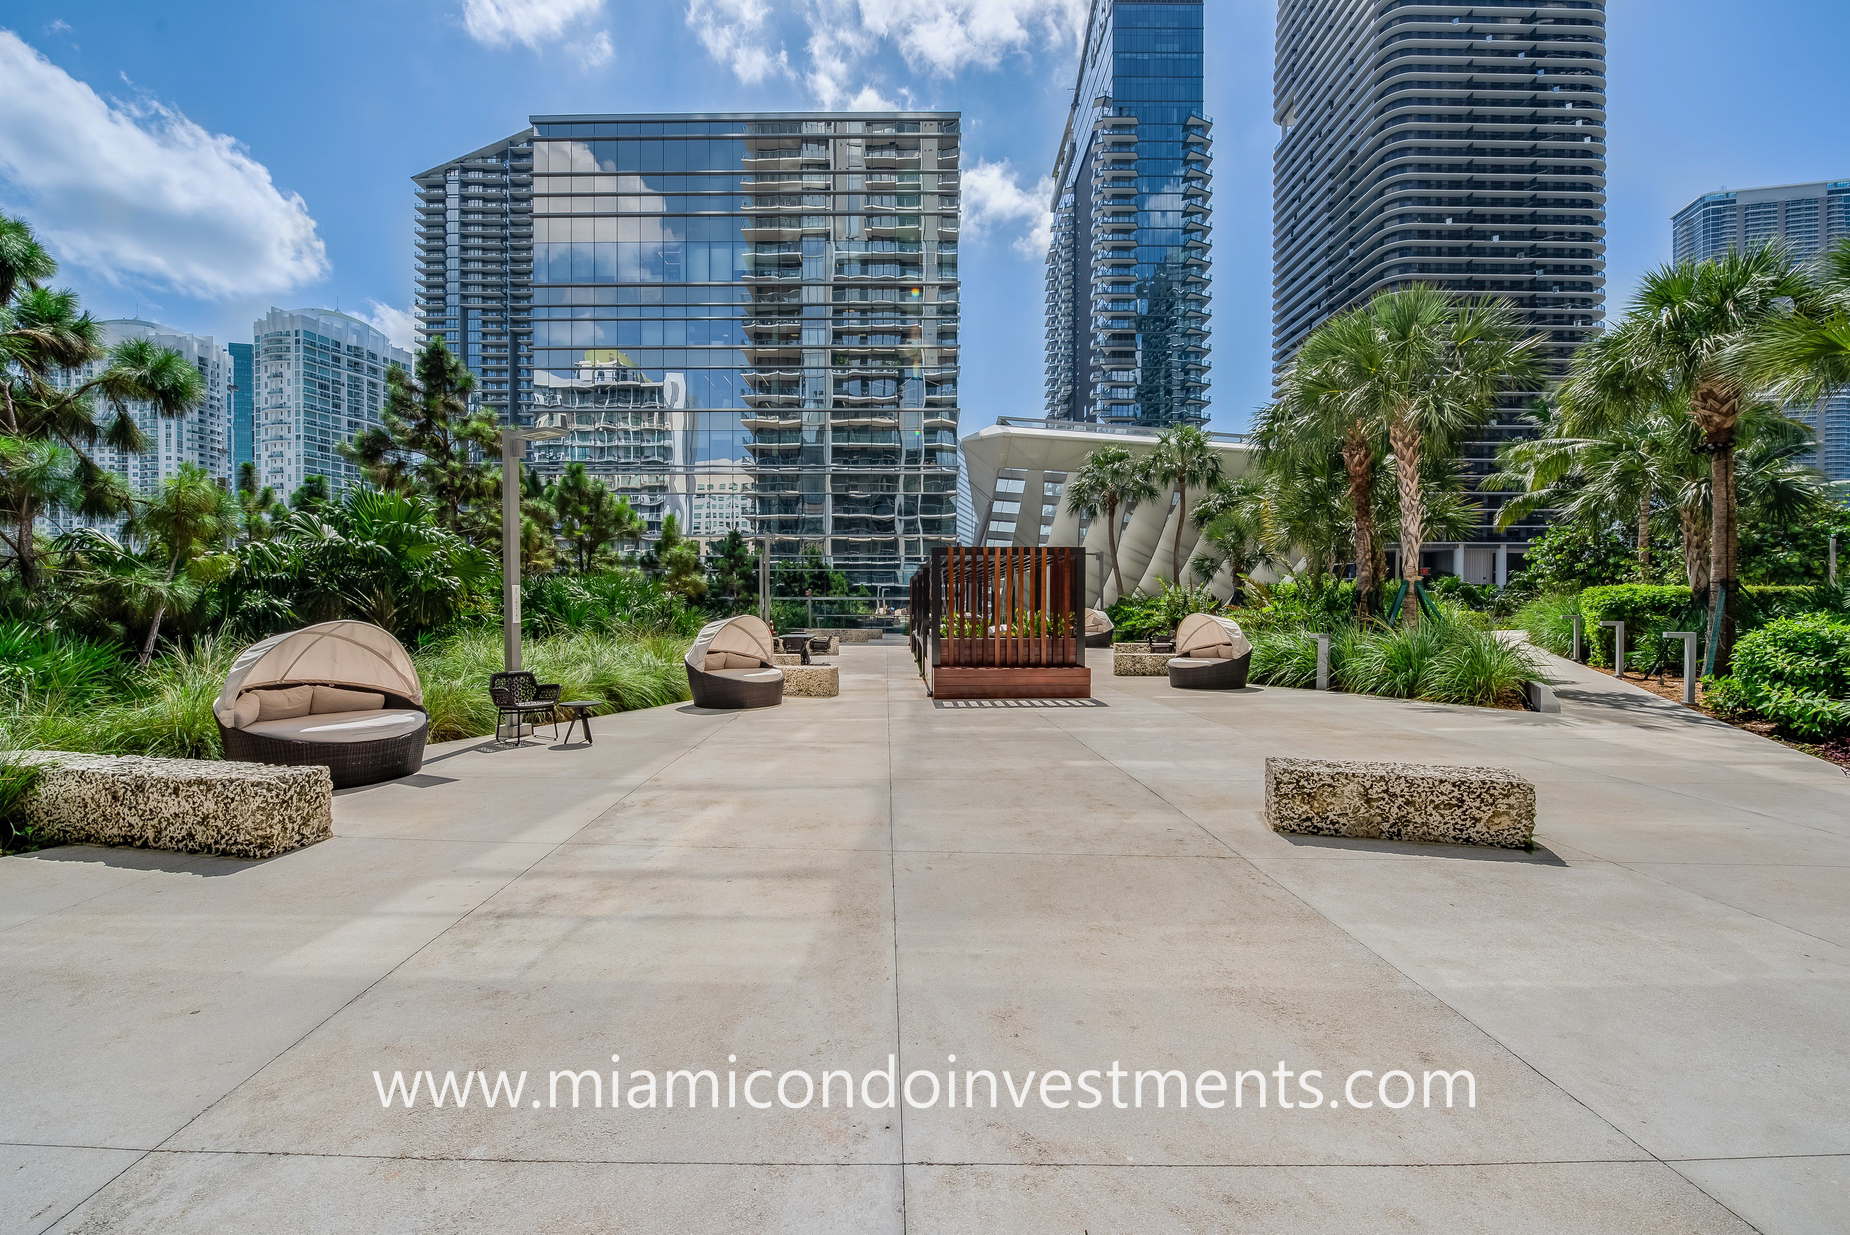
(1212, 653)
(1098, 628)
(340, 694)
(733, 665)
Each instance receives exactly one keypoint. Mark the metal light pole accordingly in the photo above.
(1831, 564)
(513, 443)
(764, 579)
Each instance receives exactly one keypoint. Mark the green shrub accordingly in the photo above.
(1794, 671)
(1137, 619)
(1548, 621)
(1478, 668)
(1727, 698)
(642, 672)
(1291, 604)
(1284, 657)
(1648, 610)
(39, 665)
(1445, 661)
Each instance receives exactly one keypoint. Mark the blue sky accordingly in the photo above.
(197, 163)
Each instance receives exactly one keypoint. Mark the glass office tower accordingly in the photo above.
(1127, 272)
(243, 392)
(748, 321)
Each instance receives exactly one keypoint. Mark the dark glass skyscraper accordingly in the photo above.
(1127, 272)
(1449, 142)
(243, 395)
(748, 321)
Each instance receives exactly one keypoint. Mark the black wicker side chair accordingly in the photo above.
(522, 698)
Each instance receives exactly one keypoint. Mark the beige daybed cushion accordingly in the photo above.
(1098, 622)
(338, 699)
(373, 725)
(750, 675)
(1193, 662)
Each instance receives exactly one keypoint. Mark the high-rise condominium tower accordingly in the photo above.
(320, 380)
(746, 320)
(201, 438)
(1445, 142)
(1807, 219)
(1127, 272)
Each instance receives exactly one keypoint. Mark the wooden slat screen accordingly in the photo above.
(1016, 606)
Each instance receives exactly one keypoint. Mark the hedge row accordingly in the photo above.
(1648, 611)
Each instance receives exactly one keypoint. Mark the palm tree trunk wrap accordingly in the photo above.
(1405, 442)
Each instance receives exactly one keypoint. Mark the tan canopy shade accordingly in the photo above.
(352, 654)
(1098, 622)
(1206, 636)
(743, 636)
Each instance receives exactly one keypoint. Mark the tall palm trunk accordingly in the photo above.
(1404, 440)
(25, 549)
(1175, 555)
(1359, 463)
(1111, 542)
(1693, 522)
(1716, 409)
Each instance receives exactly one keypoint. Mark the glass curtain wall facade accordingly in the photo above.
(1460, 143)
(747, 321)
(244, 385)
(1807, 219)
(1127, 271)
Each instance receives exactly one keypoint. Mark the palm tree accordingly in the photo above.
(1805, 356)
(1106, 482)
(1234, 535)
(1699, 336)
(1620, 475)
(1184, 456)
(48, 419)
(189, 517)
(257, 504)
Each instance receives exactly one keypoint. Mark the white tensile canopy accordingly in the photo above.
(1098, 622)
(744, 635)
(352, 654)
(1207, 636)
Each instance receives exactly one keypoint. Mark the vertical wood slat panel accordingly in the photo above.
(1010, 606)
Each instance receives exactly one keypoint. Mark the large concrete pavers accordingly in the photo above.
(242, 810)
(1400, 801)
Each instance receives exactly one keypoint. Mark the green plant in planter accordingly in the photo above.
(17, 781)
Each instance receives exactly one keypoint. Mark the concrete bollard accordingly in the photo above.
(1689, 662)
(1577, 657)
(1323, 662)
(1618, 648)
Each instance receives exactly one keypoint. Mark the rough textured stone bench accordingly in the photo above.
(811, 681)
(243, 810)
(1400, 801)
(1136, 660)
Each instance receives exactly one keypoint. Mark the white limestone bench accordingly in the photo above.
(243, 810)
(1400, 801)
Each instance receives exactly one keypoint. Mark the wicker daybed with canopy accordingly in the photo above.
(1212, 653)
(1098, 628)
(340, 694)
(732, 665)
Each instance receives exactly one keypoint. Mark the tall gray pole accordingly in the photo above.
(510, 547)
(1323, 662)
(1831, 569)
(764, 580)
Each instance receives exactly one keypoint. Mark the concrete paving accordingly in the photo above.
(1651, 1004)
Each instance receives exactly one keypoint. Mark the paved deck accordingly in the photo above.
(1654, 1004)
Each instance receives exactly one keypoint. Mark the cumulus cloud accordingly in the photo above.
(398, 325)
(596, 50)
(500, 23)
(137, 190)
(995, 200)
(938, 37)
(734, 32)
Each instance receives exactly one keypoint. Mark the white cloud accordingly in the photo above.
(136, 190)
(596, 50)
(398, 325)
(995, 199)
(939, 37)
(734, 33)
(500, 23)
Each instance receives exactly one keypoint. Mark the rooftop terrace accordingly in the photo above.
(1652, 1003)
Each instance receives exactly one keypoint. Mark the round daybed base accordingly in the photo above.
(1100, 639)
(1209, 673)
(735, 688)
(350, 763)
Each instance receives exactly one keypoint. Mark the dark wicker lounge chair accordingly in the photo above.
(1212, 653)
(343, 695)
(732, 665)
(1098, 629)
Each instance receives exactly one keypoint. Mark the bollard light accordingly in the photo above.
(1618, 648)
(1689, 662)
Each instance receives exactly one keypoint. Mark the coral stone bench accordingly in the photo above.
(1136, 660)
(812, 681)
(1400, 801)
(242, 810)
